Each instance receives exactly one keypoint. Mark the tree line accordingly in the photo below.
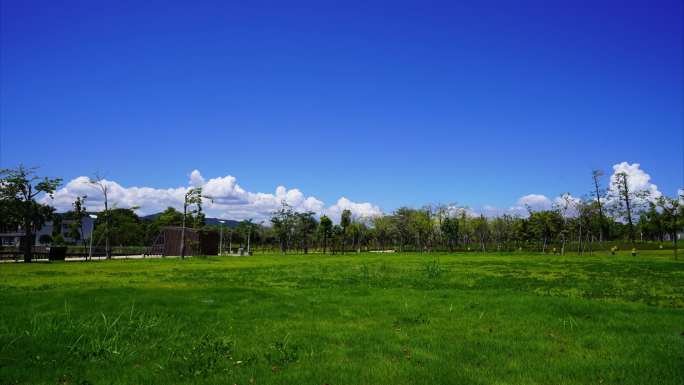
(580, 225)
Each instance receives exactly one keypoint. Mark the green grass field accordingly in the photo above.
(352, 319)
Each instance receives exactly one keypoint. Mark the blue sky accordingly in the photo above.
(394, 103)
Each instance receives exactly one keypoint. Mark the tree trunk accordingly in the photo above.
(28, 244)
(625, 191)
(108, 250)
(598, 201)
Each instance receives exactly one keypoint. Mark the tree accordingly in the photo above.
(101, 183)
(325, 229)
(192, 197)
(627, 198)
(19, 189)
(345, 221)
(564, 207)
(545, 225)
(305, 227)
(402, 221)
(77, 215)
(358, 231)
(596, 175)
(56, 224)
(481, 228)
(450, 231)
(45, 239)
(384, 227)
(125, 228)
(420, 227)
(337, 236)
(283, 224)
(672, 211)
(624, 193)
(653, 221)
(246, 229)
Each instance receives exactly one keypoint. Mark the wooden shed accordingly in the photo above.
(197, 242)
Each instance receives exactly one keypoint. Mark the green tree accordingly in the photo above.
(481, 231)
(545, 225)
(402, 221)
(672, 211)
(192, 197)
(283, 222)
(384, 228)
(599, 194)
(169, 217)
(76, 215)
(305, 228)
(19, 189)
(337, 237)
(45, 239)
(102, 184)
(325, 230)
(358, 231)
(247, 230)
(125, 228)
(345, 221)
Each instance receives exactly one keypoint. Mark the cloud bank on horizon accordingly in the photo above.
(230, 201)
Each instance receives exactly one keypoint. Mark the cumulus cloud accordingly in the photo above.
(522, 207)
(196, 179)
(226, 199)
(535, 202)
(359, 210)
(638, 182)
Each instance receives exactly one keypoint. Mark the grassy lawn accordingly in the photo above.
(353, 319)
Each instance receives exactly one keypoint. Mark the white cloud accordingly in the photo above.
(359, 210)
(227, 199)
(638, 182)
(231, 201)
(567, 204)
(196, 179)
(535, 202)
(524, 204)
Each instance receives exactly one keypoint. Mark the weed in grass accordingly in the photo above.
(282, 353)
(434, 269)
(417, 320)
(208, 355)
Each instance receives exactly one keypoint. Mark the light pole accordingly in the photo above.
(221, 237)
(92, 232)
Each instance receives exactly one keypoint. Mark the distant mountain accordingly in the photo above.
(209, 221)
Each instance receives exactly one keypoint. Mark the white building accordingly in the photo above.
(14, 238)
